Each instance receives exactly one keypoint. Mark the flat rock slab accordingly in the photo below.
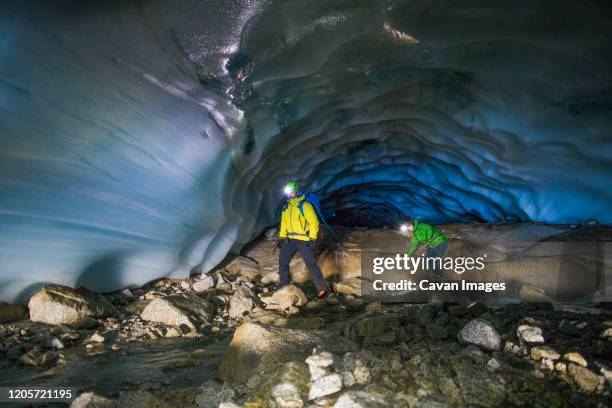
(261, 349)
(178, 309)
(57, 304)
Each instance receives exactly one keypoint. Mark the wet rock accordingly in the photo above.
(319, 364)
(56, 304)
(261, 349)
(179, 309)
(245, 267)
(583, 377)
(241, 302)
(33, 358)
(325, 385)
(141, 399)
(357, 364)
(360, 399)
(91, 400)
(530, 334)
(544, 352)
(480, 333)
(576, 358)
(211, 394)
(11, 313)
(203, 283)
(351, 286)
(286, 395)
(286, 297)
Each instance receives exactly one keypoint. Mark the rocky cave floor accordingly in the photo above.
(230, 338)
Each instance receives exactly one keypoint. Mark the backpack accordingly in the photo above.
(313, 199)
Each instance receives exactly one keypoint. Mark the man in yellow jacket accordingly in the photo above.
(299, 233)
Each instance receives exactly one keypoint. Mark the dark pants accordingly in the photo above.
(286, 253)
(436, 252)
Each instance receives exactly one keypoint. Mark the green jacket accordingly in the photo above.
(425, 234)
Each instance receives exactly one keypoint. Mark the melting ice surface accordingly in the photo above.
(119, 165)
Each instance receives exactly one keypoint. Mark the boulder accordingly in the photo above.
(178, 309)
(285, 297)
(270, 278)
(261, 349)
(57, 304)
(11, 313)
(241, 302)
(243, 266)
(350, 286)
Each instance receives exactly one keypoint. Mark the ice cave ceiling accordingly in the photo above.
(149, 138)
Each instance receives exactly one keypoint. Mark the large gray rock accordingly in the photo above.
(480, 333)
(178, 309)
(11, 313)
(261, 349)
(57, 304)
(241, 302)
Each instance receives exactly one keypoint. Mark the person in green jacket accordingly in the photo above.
(421, 233)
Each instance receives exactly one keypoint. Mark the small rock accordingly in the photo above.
(286, 395)
(480, 333)
(583, 377)
(575, 357)
(253, 381)
(211, 394)
(351, 286)
(359, 399)
(561, 367)
(348, 379)
(530, 334)
(271, 233)
(285, 297)
(56, 343)
(91, 400)
(538, 353)
(96, 338)
(326, 385)
(270, 278)
(241, 302)
(493, 365)
(33, 358)
(319, 364)
(204, 283)
(607, 333)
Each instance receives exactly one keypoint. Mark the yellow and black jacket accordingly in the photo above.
(294, 225)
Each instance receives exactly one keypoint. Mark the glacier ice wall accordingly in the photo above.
(145, 139)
